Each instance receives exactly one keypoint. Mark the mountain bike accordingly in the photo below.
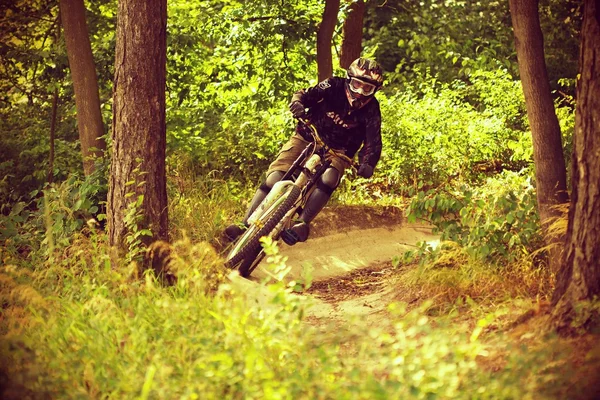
(284, 202)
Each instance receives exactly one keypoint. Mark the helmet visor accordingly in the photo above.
(361, 87)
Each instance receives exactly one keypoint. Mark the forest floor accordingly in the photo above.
(349, 259)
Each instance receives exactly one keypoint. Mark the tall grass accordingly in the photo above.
(72, 326)
(202, 206)
(103, 334)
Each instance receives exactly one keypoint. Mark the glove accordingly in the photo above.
(365, 170)
(297, 109)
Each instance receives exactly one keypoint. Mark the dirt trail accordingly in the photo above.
(337, 254)
(349, 258)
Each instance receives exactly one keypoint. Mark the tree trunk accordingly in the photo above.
(548, 158)
(85, 82)
(352, 34)
(137, 171)
(579, 278)
(324, 36)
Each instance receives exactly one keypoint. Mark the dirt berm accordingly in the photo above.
(346, 238)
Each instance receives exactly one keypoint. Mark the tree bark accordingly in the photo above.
(579, 278)
(352, 34)
(137, 170)
(85, 82)
(548, 158)
(324, 36)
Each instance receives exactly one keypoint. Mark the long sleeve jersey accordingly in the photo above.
(339, 125)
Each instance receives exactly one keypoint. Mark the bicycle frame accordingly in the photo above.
(308, 168)
(311, 163)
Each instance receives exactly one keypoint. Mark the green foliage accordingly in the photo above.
(565, 111)
(33, 66)
(51, 218)
(497, 222)
(101, 18)
(452, 39)
(137, 237)
(239, 147)
(450, 129)
(202, 206)
(232, 67)
(241, 50)
(24, 144)
(92, 331)
(561, 26)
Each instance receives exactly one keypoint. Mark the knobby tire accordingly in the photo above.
(252, 248)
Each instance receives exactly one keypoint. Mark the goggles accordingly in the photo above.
(361, 87)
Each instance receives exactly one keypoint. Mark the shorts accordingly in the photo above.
(292, 149)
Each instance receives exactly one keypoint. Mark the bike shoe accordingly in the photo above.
(234, 231)
(295, 234)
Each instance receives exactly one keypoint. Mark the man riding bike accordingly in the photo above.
(347, 116)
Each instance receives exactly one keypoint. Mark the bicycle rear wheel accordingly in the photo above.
(247, 251)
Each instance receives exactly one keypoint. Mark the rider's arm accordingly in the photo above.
(371, 149)
(298, 96)
(313, 95)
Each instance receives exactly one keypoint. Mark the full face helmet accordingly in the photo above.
(363, 78)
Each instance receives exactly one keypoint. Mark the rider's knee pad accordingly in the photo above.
(329, 180)
(271, 180)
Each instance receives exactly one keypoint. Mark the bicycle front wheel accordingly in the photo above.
(247, 251)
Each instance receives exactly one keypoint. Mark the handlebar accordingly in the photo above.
(338, 153)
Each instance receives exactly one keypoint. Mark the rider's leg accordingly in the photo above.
(286, 157)
(320, 196)
(233, 231)
(315, 203)
(262, 192)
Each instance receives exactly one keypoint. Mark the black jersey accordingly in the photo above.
(339, 125)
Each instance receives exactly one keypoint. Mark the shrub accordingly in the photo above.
(497, 222)
(448, 129)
